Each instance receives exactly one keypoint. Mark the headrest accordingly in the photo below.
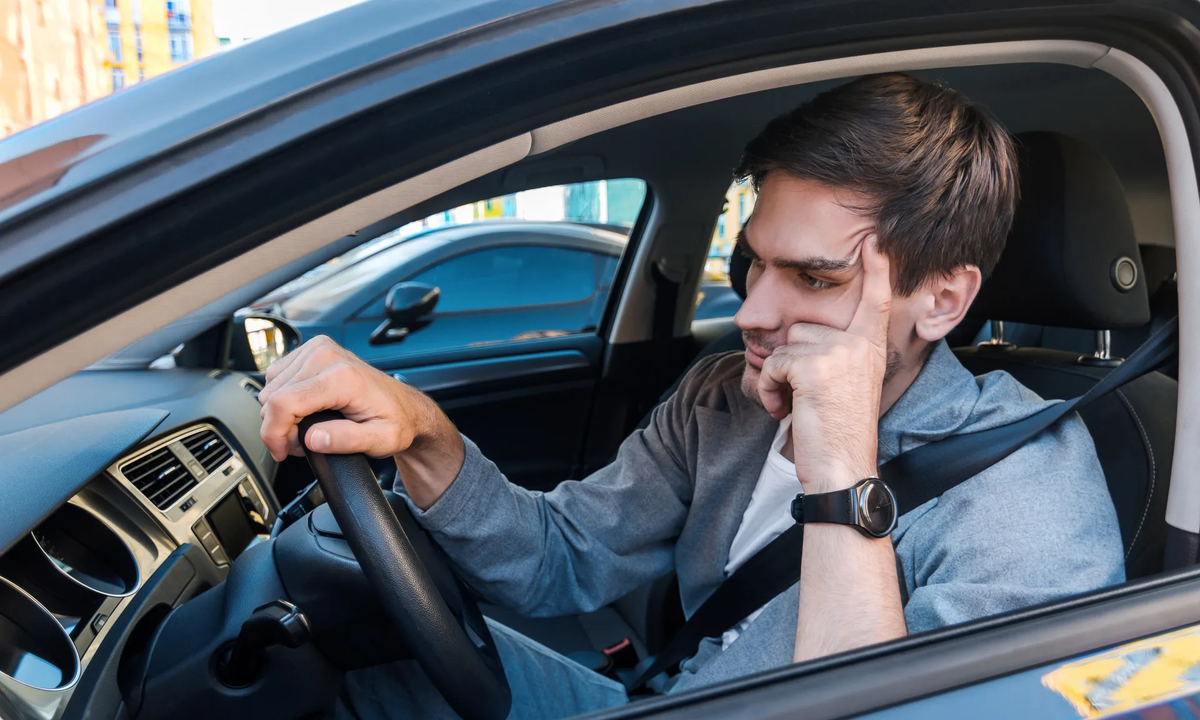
(739, 266)
(1072, 257)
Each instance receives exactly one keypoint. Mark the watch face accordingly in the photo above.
(876, 508)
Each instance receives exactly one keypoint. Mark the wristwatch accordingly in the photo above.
(869, 506)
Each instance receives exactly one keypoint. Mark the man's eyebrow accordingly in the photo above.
(807, 264)
(817, 264)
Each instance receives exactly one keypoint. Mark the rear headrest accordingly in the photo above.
(739, 266)
(1072, 258)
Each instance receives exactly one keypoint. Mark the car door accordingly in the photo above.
(494, 296)
(511, 352)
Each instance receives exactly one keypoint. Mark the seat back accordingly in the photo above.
(1072, 261)
(1133, 429)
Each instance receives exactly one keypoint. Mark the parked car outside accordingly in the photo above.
(499, 281)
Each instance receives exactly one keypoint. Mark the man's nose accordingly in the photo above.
(760, 309)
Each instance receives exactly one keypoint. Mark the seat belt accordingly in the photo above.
(915, 477)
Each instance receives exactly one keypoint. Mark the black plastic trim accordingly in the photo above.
(434, 378)
(1182, 548)
(186, 572)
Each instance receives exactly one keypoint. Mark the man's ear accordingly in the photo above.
(950, 296)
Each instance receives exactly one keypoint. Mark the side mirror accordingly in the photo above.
(409, 306)
(260, 339)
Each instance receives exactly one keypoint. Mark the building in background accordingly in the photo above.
(56, 55)
(52, 59)
(614, 203)
(146, 38)
(739, 203)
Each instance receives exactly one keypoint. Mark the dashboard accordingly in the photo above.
(124, 494)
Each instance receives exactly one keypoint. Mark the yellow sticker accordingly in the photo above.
(1132, 676)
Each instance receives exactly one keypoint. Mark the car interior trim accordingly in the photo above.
(211, 487)
(1080, 54)
(22, 700)
(104, 435)
(431, 378)
(149, 546)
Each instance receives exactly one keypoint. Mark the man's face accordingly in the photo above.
(805, 241)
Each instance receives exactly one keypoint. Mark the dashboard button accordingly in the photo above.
(98, 623)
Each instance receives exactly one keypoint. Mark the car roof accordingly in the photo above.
(342, 292)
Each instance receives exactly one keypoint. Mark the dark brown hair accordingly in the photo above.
(940, 174)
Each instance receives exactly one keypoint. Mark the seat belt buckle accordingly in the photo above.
(622, 654)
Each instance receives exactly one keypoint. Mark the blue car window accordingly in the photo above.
(512, 277)
(606, 270)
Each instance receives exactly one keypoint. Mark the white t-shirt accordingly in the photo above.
(767, 517)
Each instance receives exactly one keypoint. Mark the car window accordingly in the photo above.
(512, 277)
(716, 298)
(537, 263)
(605, 209)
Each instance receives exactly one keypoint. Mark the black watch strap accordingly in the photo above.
(869, 506)
(834, 507)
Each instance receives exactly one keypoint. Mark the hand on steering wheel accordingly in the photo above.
(438, 619)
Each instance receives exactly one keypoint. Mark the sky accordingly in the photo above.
(249, 19)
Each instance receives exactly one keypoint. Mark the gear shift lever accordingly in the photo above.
(277, 623)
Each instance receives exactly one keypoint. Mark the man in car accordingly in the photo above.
(882, 205)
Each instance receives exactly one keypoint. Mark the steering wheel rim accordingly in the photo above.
(420, 595)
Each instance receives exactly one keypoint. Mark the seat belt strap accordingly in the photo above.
(926, 472)
(916, 477)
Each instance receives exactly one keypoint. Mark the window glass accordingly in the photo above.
(531, 264)
(114, 44)
(512, 277)
(716, 298)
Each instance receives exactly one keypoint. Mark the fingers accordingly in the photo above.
(811, 334)
(283, 363)
(871, 318)
(774, 388)
(343, 437)
(292, 366)
(331, 389)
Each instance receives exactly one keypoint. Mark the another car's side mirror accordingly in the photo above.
(260, 339)
(409, 307)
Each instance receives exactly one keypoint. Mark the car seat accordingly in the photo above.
(1072, 261)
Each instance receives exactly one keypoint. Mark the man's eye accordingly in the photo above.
(816, 283)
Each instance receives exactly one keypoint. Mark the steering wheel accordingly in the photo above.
(437, 618)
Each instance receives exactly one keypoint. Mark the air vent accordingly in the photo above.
(251, 387)
(161, 477)
(209, 449)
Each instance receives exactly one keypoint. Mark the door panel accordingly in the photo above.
(524, 404)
